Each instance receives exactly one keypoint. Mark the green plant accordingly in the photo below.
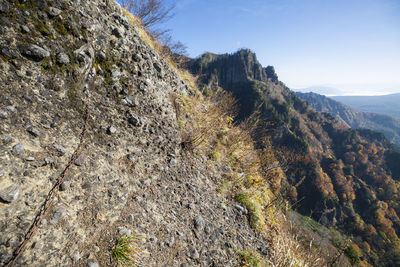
(250, 258)
(353, 254)
(257, 220)
(214, 155)
(126, 251)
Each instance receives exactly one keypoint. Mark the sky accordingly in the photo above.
(351, 45)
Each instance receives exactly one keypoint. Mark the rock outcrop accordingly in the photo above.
(89, 135)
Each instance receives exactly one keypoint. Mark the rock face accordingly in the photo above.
(229, 69)
(70, 72)
(236, 73)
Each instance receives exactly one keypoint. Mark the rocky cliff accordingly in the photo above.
(91, 149)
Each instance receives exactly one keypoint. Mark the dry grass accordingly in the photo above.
(207, 129)
(161, 50)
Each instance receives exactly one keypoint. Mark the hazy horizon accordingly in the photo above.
(353, 45)
(345, 90)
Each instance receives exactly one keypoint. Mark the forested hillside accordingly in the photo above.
(354, 118)
(344, 178)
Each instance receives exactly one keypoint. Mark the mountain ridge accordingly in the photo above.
(332, 171)
(385, 104)
(354, 118)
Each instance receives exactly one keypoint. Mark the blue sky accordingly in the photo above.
(353, 45)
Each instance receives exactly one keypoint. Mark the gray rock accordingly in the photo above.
(76, 256)
(65, 186)
(102, 56)
(158, 67)
(146, 182)
(124, 102)
(33, 131)
(33, 52)
(96, 249)
(30, 159)
(2, 171)
(3, 114)
(181, 235)
(48, 160)
(60, 213)
(25, 29)
(8, 52)
(11, 109)
(170, 242)
(5, 139)
(227, 168)
(5, 257)
(112, 192)
(131, 217)
(194, 254)
(124, 231)
(91, 256)
(118, 32)
(121, 19)
(111, 130)
(116, 74)
(54, 12)
(4, 7)
(12, 241)
(59, 148)
(18, 148)
(223, 206)
(62, 59)
(79, 161)
(44, 221)
(92, 264)
(199, 223)
(135, 121)
(241, 208)
(173, 162)
(9, 194)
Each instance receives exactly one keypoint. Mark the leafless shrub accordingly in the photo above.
(150, 12)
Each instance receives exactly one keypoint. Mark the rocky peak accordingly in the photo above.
(229, 69)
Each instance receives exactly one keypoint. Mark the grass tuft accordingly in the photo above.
(126, 251)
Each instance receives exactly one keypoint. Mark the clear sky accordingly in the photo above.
(353, 45)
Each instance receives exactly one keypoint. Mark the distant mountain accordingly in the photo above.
(322, 90)
(354, 118)
(385, 104)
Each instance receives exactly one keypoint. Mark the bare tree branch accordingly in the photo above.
(151, 12)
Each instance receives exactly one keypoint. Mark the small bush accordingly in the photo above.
(257, 220)
(251, 259)
(353, 253)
